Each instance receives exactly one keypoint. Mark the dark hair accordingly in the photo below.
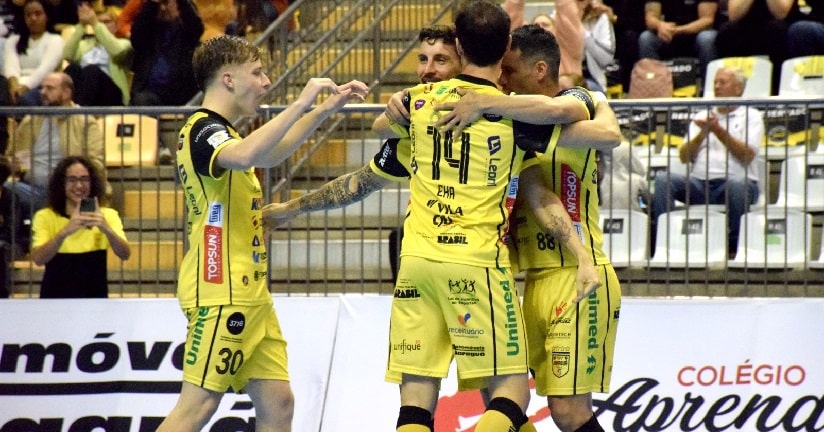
(25, 34)
(220, 51)
(482, 28)
(438, 32)
(57, 183)
(537, 44)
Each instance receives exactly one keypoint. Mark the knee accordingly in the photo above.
(569, 412)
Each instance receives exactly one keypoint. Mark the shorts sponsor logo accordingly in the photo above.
(405, 346)
(236, 323)
(469, 351)
(560, 361)
(513, 345)
(197, 336)
(592, 315)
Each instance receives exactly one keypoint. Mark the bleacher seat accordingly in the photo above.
(626, 235)
(802, 76)
(666, 161)
(692, 237)
(818, 263)
(130, 139)
(787, 131)
(801, 186)
(757, 69)
(774, 238)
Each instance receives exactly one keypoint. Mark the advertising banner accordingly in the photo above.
(681, 365)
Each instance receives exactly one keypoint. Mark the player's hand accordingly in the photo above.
(276, 215)
(459, 115)
(586, 280)
(353, 91)
(313, 88)
(395, 110)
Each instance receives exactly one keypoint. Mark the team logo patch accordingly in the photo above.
(236, 323)
(560, 363)
(218, 138)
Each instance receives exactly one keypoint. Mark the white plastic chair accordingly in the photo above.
(774, 238)
(802, 76)
(626, 235)
(801, 186)
(692, 237)
(757, 69)
(819, 263)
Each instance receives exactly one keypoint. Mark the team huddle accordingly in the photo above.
(498, 183)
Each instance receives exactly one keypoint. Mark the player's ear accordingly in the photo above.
(227, 80)
(540, 70)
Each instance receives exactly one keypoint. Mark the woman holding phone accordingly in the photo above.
(72, 235)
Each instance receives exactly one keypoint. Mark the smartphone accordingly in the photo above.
(88, 205)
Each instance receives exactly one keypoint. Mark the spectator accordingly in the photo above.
(73, 241)
(10, 230)
(748, 21)
(100, 61)
(679, 29)
(164, 35)
(569, 80)
(31, 55)
(628, 26)
(41, 141)
(599, 42)
(720, 146)
(126, 18)
(806, 35)
(544, 21)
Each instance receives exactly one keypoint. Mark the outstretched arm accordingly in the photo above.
(342, 191)
(270, 144)
(550, 212)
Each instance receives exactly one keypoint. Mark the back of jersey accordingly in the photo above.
(462, 187)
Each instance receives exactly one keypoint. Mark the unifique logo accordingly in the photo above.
(236, 323)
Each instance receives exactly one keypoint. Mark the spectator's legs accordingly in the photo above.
(5, 100)
(738, 195)
(705, 48)
(805, 38)
(649, 45)
(30, 98)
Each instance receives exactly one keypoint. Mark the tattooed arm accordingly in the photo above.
(550, 212)
(342, 191)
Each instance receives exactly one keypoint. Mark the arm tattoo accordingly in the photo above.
(342, 191)
(559, 229)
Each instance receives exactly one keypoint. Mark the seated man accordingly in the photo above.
(721, 145)
(679, 29)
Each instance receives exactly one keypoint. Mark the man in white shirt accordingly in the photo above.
(720, 146)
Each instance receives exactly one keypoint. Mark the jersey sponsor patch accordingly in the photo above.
(218, 138)
(213, 245)
(571, 196)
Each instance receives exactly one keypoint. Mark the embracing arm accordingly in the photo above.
(340, 192)
(600, 133)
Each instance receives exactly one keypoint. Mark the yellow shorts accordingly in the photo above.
(226, 346)
(445, 310)
(570, 348)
